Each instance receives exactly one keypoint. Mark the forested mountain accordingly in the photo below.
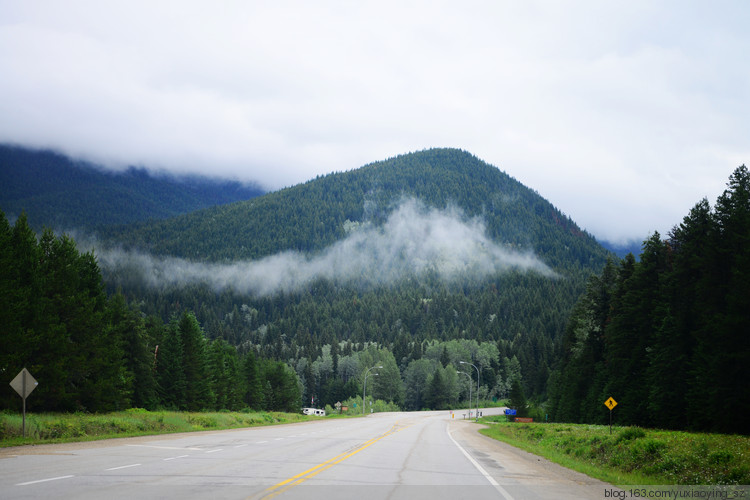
(434, 272)
(55, 191)
(311, 216)
(667, 337)
(423, 253)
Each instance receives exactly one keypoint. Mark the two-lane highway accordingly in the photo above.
(426, 455)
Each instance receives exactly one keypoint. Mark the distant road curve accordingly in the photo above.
(414, 456)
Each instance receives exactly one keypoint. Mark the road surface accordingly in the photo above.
(412, 456)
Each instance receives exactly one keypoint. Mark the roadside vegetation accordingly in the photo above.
(633, 455)
(43, 428)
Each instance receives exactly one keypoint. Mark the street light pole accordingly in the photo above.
(477, 369)
(470, 384)
(364, 387)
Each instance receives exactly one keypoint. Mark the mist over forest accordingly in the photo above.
(415, 263)
(413, 242)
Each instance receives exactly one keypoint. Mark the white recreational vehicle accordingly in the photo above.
(314, 411)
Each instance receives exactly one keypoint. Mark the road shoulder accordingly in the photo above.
(523, 472)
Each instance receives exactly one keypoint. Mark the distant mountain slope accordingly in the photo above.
(433, 245)
(311, 216)
(56, 191)
(623, 249)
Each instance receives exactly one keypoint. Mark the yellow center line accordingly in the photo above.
(300, 478)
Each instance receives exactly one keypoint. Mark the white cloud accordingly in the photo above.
(413, 242)
(623, 115)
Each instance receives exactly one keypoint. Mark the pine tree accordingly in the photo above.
(172, 385)
(253, 396)
(282, 391)
(724, 343)
(17, 306)
(517, 398)
(128, 325)
(436, 397)
(198, 394)
(226, 376)
(630, 335)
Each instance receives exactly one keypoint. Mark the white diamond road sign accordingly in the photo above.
(24, 383)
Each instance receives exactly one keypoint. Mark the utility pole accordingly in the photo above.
(477, 369)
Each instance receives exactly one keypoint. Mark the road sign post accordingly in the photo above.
(23, 384)
(610, 403)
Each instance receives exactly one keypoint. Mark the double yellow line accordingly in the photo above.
(300, 478)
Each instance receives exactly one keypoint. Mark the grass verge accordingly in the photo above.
(42, 428)
(631, 455)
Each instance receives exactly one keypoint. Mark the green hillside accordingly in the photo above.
(311, 216)
(505, 319)
(55, 191)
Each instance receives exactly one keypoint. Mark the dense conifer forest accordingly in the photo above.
(668, 336)
(124, 325)
(56, 191)
(521, 313)
(91, 352)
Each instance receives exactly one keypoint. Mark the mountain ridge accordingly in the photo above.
(312, 215)
(57, 191)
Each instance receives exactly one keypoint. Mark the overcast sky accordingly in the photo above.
(622, 114)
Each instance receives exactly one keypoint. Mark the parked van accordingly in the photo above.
(314, 411)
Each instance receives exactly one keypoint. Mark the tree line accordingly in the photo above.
(667, 336)
(91, 352)
(521, 314)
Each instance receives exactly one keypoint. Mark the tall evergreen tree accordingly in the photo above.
(518, 399)
(630, 334)
(226, 376)
(436, 396)
(172, 384)
(198, 394)
(282, 391)
(723, 344)
(127, 324)
(253, 384)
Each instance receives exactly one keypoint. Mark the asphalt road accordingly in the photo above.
(413, 456)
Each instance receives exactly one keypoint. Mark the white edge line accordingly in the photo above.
(163, 447)
(123, 467)
(43, 480)
(481, 469)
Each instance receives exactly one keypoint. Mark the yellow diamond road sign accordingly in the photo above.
(610, 403)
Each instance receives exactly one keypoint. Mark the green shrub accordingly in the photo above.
(630, 433)
(203, 421)
(644, 456)
(721, 457)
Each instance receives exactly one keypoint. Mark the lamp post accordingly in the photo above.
(470, 384)
(364, 387)
(477, 369)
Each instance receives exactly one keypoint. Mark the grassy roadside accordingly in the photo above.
(42, 428)
(631, 455)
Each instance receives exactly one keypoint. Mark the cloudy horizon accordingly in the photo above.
(621, 115)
